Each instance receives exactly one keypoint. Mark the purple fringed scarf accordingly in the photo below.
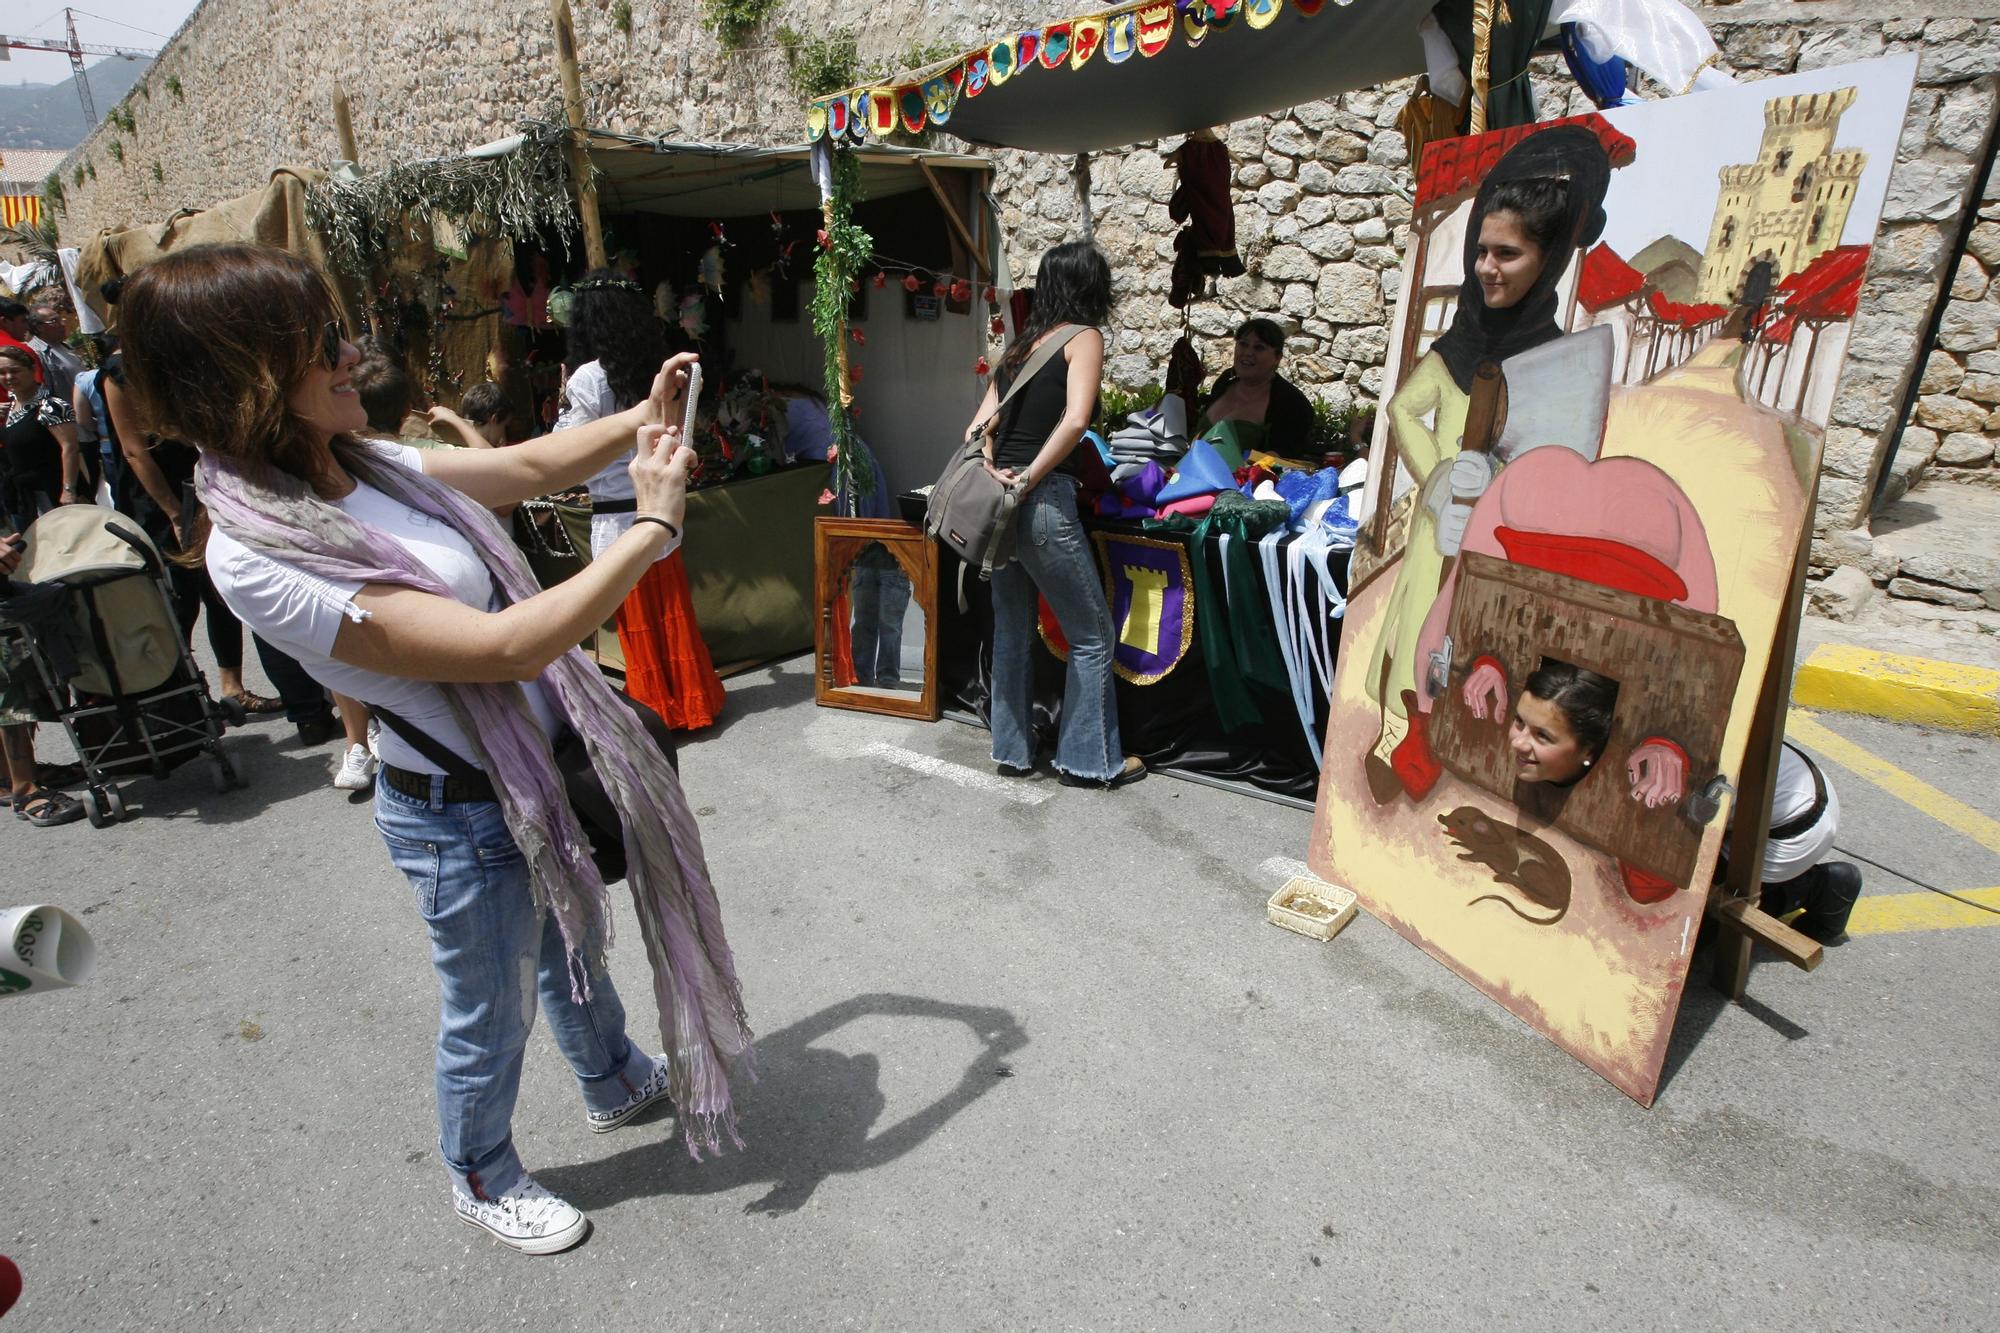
(694, 979)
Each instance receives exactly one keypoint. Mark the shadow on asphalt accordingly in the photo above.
(271, 763)
(1703, 1004)
(810, 1115)
(777, 689)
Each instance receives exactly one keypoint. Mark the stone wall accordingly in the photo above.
(1319, 191)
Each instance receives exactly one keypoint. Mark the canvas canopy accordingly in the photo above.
(274, 215)
(720, 180)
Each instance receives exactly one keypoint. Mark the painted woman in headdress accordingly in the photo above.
(1540, 206)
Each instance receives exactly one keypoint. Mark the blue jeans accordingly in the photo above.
(880, 592)
(493, 950)
(1052, 556)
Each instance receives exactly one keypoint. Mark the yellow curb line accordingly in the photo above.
(1894, 913)
(1845, 679)
(1982, 828)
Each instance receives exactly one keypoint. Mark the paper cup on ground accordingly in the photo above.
(43, 948)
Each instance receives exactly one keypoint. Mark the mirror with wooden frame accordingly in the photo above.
(875, 634)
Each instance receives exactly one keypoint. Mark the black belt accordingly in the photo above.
(613, 507)
(456, 790)
(1798, 824)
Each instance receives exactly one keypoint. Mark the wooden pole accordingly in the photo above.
(1735, 904)
(343, 125)
(958, 226)
(579, 148)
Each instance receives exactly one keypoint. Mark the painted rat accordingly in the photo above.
(1517, 859)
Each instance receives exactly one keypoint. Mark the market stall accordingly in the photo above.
(1245, 700)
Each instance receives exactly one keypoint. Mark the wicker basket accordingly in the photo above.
(1311, 907)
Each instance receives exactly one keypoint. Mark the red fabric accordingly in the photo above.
(842, 647)
(1598, 560)
(1607, 279)
(667, 667)
(1051, 628)
(1203, 199)
(10, 1284)
(9, 340)
(1454, 165)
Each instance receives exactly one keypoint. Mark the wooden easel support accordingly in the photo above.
(579, 147)
(1733, 904)
(958, 226)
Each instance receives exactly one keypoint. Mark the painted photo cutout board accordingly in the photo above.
(1586, 489)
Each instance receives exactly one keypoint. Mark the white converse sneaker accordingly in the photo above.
(357, 769)
(526, 1218)
(655, 1089)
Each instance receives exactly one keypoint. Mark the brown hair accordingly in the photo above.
(15, 352)
(483, 402)
(216, 337)
(384, 390)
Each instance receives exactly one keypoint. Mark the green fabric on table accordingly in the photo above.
(750, 564)
(1239, 641)
(1235, 441)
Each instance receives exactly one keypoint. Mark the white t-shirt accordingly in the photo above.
(301, 613)
(587, 398)
(1792, 796)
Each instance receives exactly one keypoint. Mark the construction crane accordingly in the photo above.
(76, 51)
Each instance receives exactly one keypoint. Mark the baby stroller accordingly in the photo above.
(91, 599)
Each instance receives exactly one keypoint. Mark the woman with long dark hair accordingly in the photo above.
(382, 569)
(615, 346)
(1034, 448)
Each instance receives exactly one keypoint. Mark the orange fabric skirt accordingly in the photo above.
(667, 666)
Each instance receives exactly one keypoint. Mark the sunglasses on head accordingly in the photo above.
(330, 343)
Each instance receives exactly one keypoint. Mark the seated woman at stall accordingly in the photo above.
(1250, 405)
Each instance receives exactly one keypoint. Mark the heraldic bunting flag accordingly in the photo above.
(1150, 587)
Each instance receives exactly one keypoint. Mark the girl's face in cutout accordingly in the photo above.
(1545, 749)
(1508, 262)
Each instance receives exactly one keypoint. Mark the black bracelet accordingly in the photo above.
(665, 523)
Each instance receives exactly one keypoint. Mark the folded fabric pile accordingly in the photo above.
(1310, 498)
(1159, 434)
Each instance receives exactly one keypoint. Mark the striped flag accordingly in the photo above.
(17, 210)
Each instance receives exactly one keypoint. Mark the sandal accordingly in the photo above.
(45, 808)
(254, 704)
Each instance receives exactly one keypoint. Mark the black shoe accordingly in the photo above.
(1135, 769)
(1009, 771)
(317, 732)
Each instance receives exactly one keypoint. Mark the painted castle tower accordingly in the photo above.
(1790, 205)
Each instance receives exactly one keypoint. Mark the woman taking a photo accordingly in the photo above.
(382, 569)
(1033, 448)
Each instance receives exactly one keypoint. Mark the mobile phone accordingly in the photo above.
(691, 396)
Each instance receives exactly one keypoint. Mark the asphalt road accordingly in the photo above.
(1029, 1058)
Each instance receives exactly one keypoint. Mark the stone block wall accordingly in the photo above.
(1320, 191)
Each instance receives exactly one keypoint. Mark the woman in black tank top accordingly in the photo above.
(1033, 447)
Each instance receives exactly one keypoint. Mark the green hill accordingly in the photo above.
(49, 115)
